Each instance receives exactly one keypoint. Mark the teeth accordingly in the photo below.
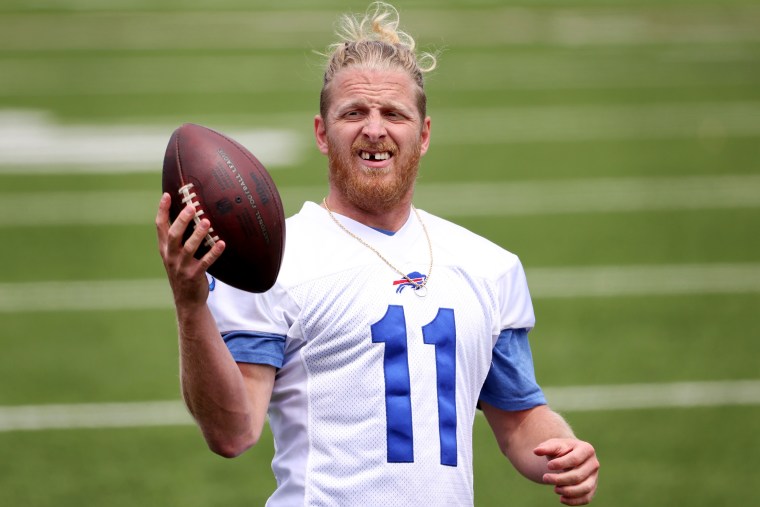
(375, 156)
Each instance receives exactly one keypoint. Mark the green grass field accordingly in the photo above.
(591, 134)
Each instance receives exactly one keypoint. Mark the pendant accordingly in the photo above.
(420, 291)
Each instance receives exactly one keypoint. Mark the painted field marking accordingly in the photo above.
(655, 280)
(34, 142)
(217, 29)
(93, 415)
(95, 295)
(600, 195)
(644, 396)
(593, 281)
(566, 399)
(702, 121)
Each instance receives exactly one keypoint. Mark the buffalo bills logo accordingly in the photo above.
(415, 277)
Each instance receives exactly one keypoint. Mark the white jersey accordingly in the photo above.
(375, 399)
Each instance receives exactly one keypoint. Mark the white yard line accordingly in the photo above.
(666, 395)
(134, 74)
(662, 280)
(566, 399)
(33, 142)
(595, 281)
(701, 121)
(217, 29)
(95, 295)
(93, 415)
(600, 195)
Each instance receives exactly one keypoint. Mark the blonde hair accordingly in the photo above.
(374, 41)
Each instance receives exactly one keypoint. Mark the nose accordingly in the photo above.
(374, 127)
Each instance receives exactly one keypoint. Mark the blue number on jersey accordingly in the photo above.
(441, 333)
(391, 330)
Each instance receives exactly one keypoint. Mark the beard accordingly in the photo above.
(373, 190)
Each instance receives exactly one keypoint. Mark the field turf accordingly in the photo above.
(657, 103)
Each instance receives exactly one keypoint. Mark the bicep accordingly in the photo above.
(511, 382)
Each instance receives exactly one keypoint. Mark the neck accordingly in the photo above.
(419, 286)
(389, 220)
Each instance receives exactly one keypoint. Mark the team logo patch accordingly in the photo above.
(414, 276)
(211, 282)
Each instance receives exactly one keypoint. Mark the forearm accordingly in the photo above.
(520, 433)
(539, 425)
(213, 386)
(229, 401)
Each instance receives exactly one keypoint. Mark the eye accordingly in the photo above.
(352, 115)
(396, 115)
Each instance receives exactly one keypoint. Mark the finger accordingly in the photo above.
(212, 255)
(162, 215)
(554, 447)
(579, 453)
(177, 229)
(197, 237)
(574, 476)
(582, 500)
(583, 491)
(579, 494)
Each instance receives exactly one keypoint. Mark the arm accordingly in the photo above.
(541, 446)
(228, 401)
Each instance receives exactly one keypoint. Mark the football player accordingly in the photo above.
(387, 328)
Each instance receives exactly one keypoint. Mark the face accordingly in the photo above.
(373, 136)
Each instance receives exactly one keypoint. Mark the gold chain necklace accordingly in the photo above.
(417, 286)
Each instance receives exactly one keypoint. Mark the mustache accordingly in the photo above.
(364, 145)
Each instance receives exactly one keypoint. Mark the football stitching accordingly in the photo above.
(188, 197)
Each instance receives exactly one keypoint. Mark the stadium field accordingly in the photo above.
(613, 145)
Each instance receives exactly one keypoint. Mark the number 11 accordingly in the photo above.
(441, 333)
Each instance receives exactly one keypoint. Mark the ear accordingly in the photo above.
(425, 136)
(320, 134)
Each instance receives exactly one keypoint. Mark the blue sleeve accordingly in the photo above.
(511, 381)
(257, 348)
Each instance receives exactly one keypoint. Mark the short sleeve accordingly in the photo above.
(254, 326)
(256, 348)
(515, 305)
(511, 382)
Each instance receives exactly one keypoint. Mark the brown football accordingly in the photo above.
(229, 186)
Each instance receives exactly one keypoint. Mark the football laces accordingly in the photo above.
(188, 197)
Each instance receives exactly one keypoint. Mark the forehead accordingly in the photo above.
(371, 87)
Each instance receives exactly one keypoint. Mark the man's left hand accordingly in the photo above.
(574, 469)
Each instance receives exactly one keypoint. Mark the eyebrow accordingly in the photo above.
(359, 103)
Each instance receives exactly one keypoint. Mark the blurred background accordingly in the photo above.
(613, 145)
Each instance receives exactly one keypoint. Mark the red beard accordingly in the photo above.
(374, 190)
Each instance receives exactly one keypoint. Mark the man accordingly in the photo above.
(387, 326)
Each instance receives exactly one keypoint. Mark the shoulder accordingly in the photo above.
(314, 247)
(457, 244)
(302, 221)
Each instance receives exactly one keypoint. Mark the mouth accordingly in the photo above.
(375, 156)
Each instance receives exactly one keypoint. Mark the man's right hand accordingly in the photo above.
(187, 275)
